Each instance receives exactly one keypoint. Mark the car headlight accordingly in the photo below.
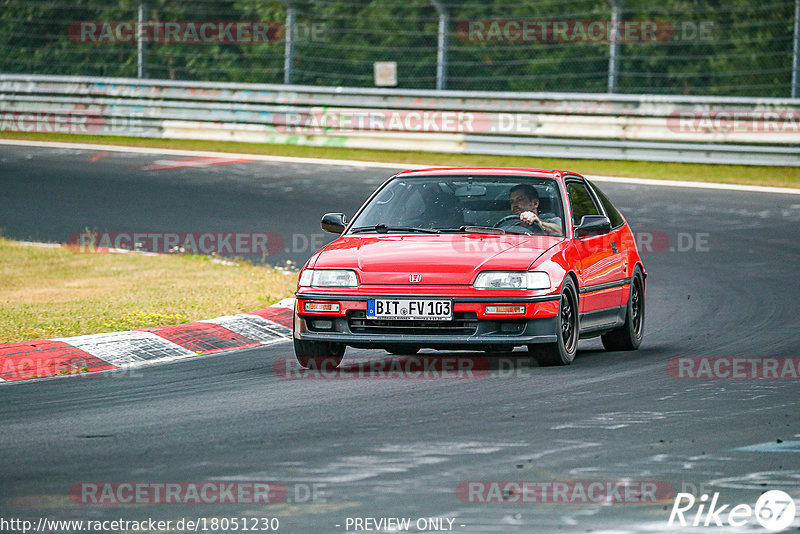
(512, 280)
(328, 278)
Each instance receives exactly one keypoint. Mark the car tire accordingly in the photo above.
(562, 352)
(629, 335)
(400, 350)
(318, 354)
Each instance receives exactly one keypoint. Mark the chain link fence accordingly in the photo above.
(685, 47)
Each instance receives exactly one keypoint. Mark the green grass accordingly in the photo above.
(732, 174)
(55, 292)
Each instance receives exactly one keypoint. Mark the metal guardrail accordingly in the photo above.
(748, 131)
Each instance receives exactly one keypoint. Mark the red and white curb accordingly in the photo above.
(146, 346)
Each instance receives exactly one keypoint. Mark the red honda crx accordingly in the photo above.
(473, 258)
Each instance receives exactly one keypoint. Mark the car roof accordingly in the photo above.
(486, 171)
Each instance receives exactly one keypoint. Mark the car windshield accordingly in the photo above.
(465, 204)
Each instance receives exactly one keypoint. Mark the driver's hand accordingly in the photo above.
(528, 217)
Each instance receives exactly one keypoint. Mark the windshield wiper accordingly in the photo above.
(384, 229)
(475, 230)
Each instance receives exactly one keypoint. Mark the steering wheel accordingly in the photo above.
(530, 229)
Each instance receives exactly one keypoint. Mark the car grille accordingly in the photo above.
(463, 323)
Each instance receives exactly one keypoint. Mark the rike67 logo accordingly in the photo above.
(774, 510)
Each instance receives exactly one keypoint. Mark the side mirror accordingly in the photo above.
(593, 225)
(333, 222)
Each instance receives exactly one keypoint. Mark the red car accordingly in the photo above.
(473, 258)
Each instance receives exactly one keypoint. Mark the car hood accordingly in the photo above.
(438, 258)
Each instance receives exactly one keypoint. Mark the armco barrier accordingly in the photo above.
(636, 127)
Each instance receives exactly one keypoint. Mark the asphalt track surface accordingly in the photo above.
(400, 447)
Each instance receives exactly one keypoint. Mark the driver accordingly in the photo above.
(524, 201)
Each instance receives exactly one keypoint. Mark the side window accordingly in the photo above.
(613, 215)
(580, 202)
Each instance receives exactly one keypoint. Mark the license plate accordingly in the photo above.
(416, 309)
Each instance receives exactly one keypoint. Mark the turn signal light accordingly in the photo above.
(321, 306)
(516, 310)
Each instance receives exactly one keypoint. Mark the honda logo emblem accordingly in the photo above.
(414, 278)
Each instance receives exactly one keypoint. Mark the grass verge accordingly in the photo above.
(48, 292)
(731, 174)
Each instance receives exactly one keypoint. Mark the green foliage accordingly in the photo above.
(731, 47)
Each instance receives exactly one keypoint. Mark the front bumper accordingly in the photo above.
(471, 326)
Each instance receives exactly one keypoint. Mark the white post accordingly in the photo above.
(796, 54)
(613, 47)
(288, 55)
(441, 50)
(140, 42)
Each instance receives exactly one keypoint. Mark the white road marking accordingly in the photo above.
(696, 185)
